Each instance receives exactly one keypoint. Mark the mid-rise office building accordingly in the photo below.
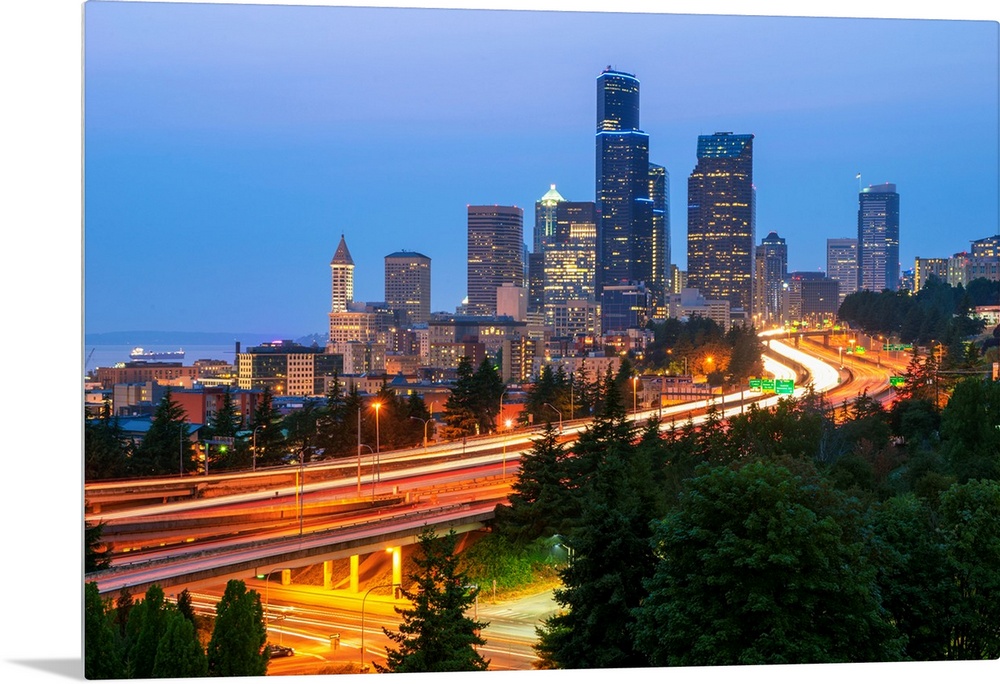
(721, 219)
(812, 296)
(925, 269)
(408, 287)
(630, 193)
(624, 307)
(495, 254)
(689, 303)
(988, 247)
(287, 368)
(842, 264)
(878, 238)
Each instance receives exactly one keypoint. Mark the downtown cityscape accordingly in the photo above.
(698, 405)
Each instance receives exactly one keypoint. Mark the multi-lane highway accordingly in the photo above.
(196, 532)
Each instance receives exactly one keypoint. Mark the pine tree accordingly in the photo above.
(97, 554)
(436, 635)
(267, 421)
(146, 625)
(165, 449)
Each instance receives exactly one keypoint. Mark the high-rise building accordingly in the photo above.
(408, 286)
(878, 238)
(986, 247)
(721, 219)
(771, 275)
(545, 218)
(628, 248)
(341, 278)
(495, 254)
(659, 192)
(842, 264)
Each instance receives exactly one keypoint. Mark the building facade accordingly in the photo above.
(771, 276)
(878, 238)
(287, 368)
(495, 254)
(925, 269)
(842, 264)
(628, 248)
(408, 287)
(721, 219)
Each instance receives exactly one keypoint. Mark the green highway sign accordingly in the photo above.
(897, 381)
(767, 384)
(755, 383)
(897, 347)
(784, 386)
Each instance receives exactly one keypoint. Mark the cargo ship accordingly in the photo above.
(140, 354)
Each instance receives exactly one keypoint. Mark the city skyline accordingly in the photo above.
(234, 131)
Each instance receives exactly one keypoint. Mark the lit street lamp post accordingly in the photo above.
(635, 380)
(425, 421)
(557, 411)
(254, 467)
(378, 460)
(364, 668)
(267, 584)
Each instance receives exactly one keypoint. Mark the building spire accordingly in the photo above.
(342, 256)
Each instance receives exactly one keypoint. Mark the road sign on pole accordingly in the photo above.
(783, 386)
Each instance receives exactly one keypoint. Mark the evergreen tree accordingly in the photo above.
(106, 453)
(102, 657)
(488, 389)
(165, 449)
(300, 426)
(461, 408)
(185, 608)
(226, 423)
(179, 653)
(602, 585)
(97, 554)
(236, 648)
(539, 504)
(123, 608)
(267, 421)
(436, 635)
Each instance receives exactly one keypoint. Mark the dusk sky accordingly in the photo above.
(227, 147)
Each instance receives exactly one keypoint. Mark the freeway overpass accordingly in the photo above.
(193, 539)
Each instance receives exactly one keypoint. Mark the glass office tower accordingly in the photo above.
(721, 219)
(878, 238)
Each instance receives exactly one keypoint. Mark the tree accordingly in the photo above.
(226, 423)
(436, 635)
(460, 410)
(603, 583)
(97, 554)
(102, 658)
(165, 449)
(762, 563)
(105, 451)
(267, 422)
(540, 505)
(969, 430)
(146, 625)
(179, 653)
(236, 648)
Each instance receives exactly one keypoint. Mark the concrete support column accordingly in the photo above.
(354, 573)
(327, 574)
(397, 565)
(286, 577)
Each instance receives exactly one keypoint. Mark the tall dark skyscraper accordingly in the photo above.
(721, 219)
(878, 238)
(631, 235)
(408, 286)
(496, 254)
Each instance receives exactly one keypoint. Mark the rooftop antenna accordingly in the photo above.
(859, 181)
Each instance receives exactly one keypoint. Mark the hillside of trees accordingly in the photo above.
(779, 536)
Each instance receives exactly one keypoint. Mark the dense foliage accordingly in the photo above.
(779, 536)
(153, 638)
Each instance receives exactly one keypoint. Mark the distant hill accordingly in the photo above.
(171, 338)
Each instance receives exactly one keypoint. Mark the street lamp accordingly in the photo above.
(425, 421)
(635, 380)
(254, 467)
(557, 411)
(267, 584)
(363, 599)
(378, 461)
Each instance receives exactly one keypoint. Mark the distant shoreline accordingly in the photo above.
(160, 337)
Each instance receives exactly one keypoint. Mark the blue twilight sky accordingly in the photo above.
(227, 147)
